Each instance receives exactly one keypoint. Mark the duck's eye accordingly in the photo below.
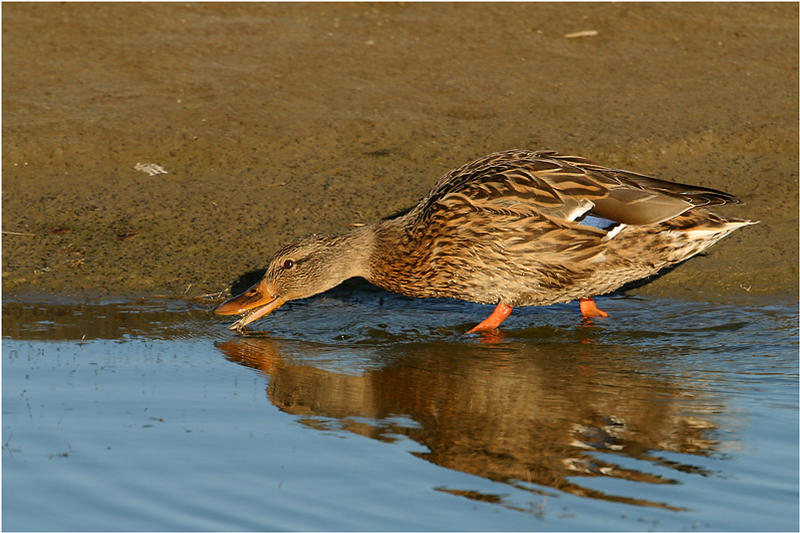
(288, 264)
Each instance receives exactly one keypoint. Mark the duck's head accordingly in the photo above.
(303, 268)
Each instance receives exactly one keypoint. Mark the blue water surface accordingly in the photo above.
(359, 410)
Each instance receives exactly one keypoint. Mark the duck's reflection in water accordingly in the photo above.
(531, 416)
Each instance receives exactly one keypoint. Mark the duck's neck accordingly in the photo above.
(354, 251)
(390, 255)
(363, 251)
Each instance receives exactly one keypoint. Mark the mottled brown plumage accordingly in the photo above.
(510, 228)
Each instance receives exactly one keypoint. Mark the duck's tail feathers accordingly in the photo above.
(718, 226)
(715, 228)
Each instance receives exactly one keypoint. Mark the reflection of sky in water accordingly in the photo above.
(645, 420)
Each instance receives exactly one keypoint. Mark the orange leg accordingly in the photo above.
(589, 308)
(499, 314)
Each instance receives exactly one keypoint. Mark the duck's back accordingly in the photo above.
(564, 187)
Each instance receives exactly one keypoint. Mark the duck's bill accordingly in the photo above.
(256, 313)
(255, 302)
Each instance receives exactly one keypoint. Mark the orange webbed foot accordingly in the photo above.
(491, 322)
(590, 310)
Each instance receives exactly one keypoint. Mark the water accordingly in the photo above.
(359, 410)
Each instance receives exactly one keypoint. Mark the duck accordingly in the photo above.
(514, 228)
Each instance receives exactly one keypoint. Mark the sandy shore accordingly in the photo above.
(275, 120)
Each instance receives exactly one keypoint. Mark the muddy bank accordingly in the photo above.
(275, 120)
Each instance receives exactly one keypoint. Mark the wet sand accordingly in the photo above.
(276, 120)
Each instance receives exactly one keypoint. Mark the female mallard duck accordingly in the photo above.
(513, 228)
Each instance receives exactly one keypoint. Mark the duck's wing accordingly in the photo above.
(634, 198)
(562, 188)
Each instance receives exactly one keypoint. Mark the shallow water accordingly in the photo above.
(360, 410)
